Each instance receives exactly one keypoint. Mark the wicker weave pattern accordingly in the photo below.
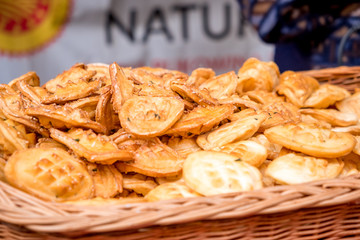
(310, 224)
(240, 209)
(346, 77)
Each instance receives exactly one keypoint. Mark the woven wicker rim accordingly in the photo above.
(346, 77)
(22, 209)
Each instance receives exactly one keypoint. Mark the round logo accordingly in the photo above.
(28, 25)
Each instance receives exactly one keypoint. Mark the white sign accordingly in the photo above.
(177, 34)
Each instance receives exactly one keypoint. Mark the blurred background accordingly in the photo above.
(308, 34)
(49, 36)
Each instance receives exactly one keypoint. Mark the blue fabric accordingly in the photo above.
(307, 33)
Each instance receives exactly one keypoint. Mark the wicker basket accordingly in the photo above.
(346, 77)
(328, 209)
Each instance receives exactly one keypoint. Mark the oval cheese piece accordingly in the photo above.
(295, 169)
(49, 173)
(248, 151)
(311, 140)
(210, 173)
(150, 116)
(171, 190)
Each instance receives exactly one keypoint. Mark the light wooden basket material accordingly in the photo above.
(327, 209)
(346, 77)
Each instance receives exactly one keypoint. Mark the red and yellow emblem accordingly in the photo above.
(27, 25)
